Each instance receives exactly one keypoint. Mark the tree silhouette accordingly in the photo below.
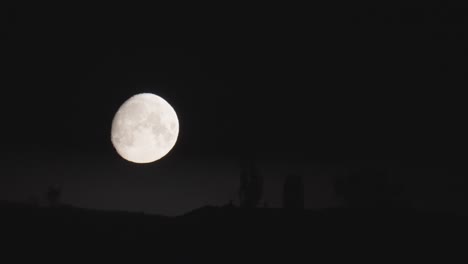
(293, 192)
(368, 188)
(33, 200)
(53, 195)
(251, 185)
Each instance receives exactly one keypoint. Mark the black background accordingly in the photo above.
(317, 83)
(377, 82)
(308, 89)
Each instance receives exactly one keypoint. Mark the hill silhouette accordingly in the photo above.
(232, 235)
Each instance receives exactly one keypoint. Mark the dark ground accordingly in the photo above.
(233, 235)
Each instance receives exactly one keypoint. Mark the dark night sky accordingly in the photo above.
(307, 91)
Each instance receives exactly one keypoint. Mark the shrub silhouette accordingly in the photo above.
(251, 185)
(53, 195)
(293, 192)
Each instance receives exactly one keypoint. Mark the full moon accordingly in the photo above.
(145, 128)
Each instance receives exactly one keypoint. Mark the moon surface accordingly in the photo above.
(145, 128)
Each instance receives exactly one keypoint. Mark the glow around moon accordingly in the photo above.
(145, 128)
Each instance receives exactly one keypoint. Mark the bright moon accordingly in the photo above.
(145, 128)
